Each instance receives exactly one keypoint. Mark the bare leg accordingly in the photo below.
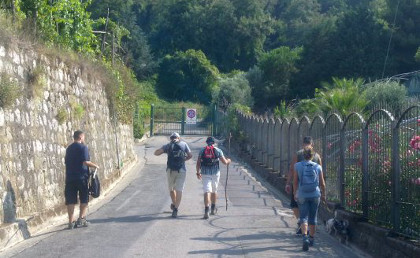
(178, 197)
(172, 193)
(304, 227)
(206, 199)
(213, 198)
(83, 210)
(70, 212)
(312, 229)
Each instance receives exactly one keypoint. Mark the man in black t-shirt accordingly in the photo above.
(77, 173)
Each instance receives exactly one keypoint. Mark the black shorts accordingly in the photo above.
(293, 203)
(76, 187)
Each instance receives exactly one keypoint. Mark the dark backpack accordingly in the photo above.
(176, 156)
(208, 157)
(94, 184)
(309, 179)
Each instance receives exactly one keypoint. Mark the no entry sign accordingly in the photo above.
(191, 116)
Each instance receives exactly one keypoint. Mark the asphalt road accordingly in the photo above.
(134, 220)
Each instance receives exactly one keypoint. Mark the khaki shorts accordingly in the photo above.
(210, 182)
(176, 179)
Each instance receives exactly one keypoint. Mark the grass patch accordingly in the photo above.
(78, 110)
(62, 116)
(9, 91)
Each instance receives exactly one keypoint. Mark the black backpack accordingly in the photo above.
(94, 184)
(208, 157)
(176, 156)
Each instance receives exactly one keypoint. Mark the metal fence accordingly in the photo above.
(371, 167)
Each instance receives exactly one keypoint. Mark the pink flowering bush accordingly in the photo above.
(415, 142)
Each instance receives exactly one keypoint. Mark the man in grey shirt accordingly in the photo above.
(178, 152)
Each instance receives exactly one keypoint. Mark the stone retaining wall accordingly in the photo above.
(55, 100)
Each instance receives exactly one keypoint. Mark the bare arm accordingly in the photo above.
(290, 175)
(198, 167)
(322, 186)
(90, 164)
(295, 182)
(159, 152)
(189, 156)
(225, 161)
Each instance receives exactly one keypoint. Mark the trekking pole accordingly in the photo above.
(227, 173)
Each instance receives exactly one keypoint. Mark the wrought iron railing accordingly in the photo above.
(372, 166)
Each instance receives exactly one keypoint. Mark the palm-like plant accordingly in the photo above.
(342, 95)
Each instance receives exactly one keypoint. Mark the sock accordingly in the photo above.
(206, 209)
(213, 206)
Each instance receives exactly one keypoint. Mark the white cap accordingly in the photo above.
(174, 135)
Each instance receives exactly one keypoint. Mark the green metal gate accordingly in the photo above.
(186, 121)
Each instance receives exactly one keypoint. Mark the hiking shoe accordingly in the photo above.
(213, 211)
(311, 241)
(71, 225)
(174, 213)
(305, 246)
(82, 222)
(206, 215)
(172, 206)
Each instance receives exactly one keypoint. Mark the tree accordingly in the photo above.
(136, 51)
(277, 67)
(406, 37)
(187, 76)
(233, 90)
(65, 22)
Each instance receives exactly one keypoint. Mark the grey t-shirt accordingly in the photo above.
(184, 147)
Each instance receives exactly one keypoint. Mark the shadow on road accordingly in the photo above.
(142, 218)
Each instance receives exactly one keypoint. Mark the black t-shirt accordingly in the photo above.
(76, 154)
(300, 156)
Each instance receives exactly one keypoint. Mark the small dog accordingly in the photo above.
(340, 227)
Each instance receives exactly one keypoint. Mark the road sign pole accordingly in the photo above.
(152, 114)
(183, 121)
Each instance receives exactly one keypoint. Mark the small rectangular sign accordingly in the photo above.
(191, 116)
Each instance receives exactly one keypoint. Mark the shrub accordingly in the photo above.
(389, 95)
(9, 91)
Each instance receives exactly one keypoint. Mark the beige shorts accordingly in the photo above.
(210, 182)
(176, 180)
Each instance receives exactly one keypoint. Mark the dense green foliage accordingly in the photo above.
(285, 48)
(187, 76)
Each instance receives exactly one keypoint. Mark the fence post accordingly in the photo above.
(183, 121)
(152, 118)
(365, 173)
(342, 164)
(214, 131)
(396, 170)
